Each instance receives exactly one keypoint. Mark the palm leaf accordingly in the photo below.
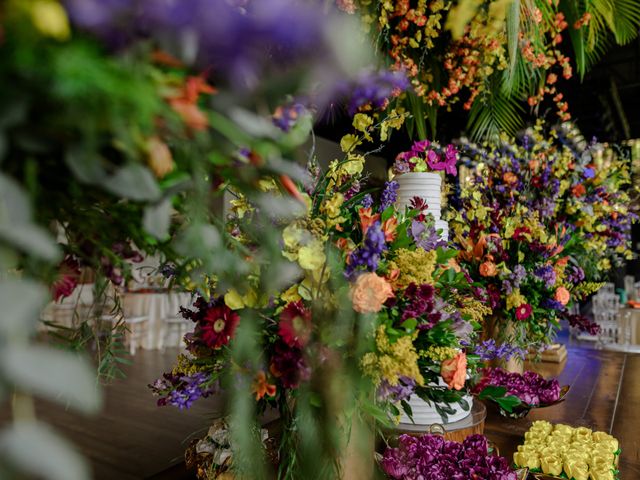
(626, 19)
(493, 114)
(513, 39)
(572, 11)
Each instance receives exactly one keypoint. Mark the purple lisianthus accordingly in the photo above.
(425, 235)
(530, 387)
(389, 195)
(396, 393)
(552, 304)
(430, 457)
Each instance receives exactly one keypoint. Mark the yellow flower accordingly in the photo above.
(349, 142)
(395, 119)
(362, 122)
(392, 360)
(233, 300)
(353, 165)
(291, 294)
(438, 354)
(515, 299)
(415, 266)
(268, 185)
(312, 256)
(241, 206)
(50, 19)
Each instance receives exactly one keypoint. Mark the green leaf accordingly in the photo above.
(133, 181)
(21, 302)
(53, 374)
(513, 38)
(31, 239)
(410, 324)
(494, 113)
(407, 408)
(198, 240)
(492, 392)
(34, 448)
(157, 219)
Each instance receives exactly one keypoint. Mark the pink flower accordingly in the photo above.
(523, 311)
(67, 281)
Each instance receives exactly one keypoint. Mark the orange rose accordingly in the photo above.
(563, 295)
(369, 293)
(454, 371)
(488, 269)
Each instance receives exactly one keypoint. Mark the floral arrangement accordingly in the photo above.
(516, 394)
(433, 457)
(567, 452)
(419, 311)
(522, 228)
(427, 156)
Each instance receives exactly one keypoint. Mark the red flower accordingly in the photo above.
(520, 234)
(218, 326)
(295, 324)
(67, 281)
(523, 311)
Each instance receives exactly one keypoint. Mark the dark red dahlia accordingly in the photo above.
(218, 326)
(288, 365)
(295, 324)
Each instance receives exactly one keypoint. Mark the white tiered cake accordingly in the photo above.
(427, 186)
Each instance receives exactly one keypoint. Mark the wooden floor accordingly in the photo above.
(133, 439)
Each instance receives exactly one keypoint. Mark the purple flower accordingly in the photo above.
(575, 274)
(489, 350)
(372, 88)
(425, 236)
(530, 387)
(286, 116)
(547, 274)
(240, 43)
(367, 201)
(552, 304)
(389, 195)
(397, 393)
(182, 390)
(368, 255)
(430, 457)
(583, 324)
(589, 173)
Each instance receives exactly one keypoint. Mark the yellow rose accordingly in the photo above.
(551, 464)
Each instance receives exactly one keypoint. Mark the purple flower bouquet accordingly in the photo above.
(516, 394)
(431, 457)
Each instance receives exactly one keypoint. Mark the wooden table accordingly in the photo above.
(604, 395)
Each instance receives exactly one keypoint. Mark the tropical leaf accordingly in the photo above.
(494, 113)
(626, 20)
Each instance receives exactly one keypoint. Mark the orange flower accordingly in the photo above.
(261, 387)
(343, 244)
(366, 219)
(562, 295)
(393, 275)
(488, 269)
(389, 229)
(510, 178)
(454, 371)
(562, 262)
(578, 190)
(453, 263)
(369, 292)
(290, 187)
(159, 156)
(186, 103)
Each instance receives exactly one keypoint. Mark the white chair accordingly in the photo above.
(174, 326)
(137, 326)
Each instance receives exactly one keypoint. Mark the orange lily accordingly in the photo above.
(389, 229)
(290, 187)
(261, 387)
(367, 219)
